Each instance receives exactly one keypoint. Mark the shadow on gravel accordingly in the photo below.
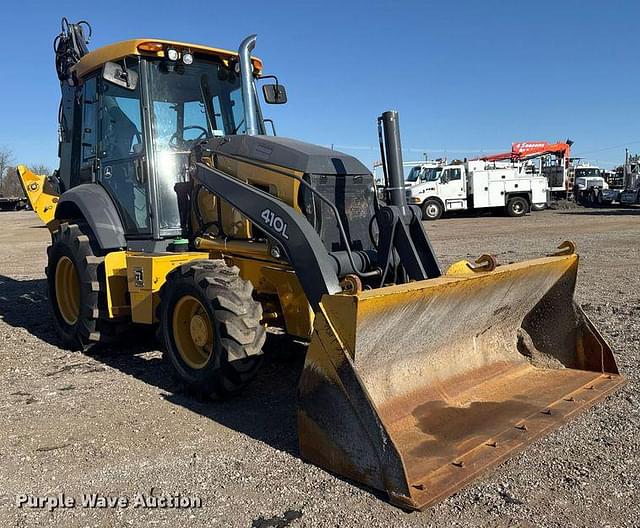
(24, 304)
(265, 410)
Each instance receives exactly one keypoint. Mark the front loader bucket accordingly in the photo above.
(416, 389)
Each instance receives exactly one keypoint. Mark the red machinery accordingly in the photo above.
(554, 162)
(525, 150)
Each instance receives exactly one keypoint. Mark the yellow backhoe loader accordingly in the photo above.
(173, 207)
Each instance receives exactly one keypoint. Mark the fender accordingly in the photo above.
(522, 194)
(92, 202)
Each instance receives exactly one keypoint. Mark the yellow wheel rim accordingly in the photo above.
(192, 332)
(67, 290)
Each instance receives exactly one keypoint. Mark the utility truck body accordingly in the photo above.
(477, 184)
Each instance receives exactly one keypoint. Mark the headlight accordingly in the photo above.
(172, 54)
(187, 58)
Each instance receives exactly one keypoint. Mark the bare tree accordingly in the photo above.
(6, 157)
(11, 185)
(41, 169)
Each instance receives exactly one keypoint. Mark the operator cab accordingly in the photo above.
(141, 112)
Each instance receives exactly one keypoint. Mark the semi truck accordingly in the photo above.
(590, 187)
(477, 184)
(631, 193)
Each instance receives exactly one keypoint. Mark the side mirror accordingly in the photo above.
(444, 179)
(116, 74)
(274, 93)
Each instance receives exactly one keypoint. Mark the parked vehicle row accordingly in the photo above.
(475, 184)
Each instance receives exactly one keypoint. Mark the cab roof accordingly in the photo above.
(113, 52)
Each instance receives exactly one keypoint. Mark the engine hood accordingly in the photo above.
(288, 153)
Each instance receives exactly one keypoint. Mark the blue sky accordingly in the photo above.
(466, 76)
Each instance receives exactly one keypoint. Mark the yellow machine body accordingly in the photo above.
(41, 196)
(275, 282)
(141, 276)
(412, 389)
(415, 389)
(148, 47)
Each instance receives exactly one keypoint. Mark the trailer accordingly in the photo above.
(615, 182)
(12, 203)
(478, 184)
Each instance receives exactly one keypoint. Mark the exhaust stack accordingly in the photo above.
(392, 160)
(248, 91)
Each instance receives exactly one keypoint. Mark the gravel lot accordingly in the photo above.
(116, 423)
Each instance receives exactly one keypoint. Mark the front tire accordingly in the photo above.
(431, 210)
(74, 286)
(210, 327)
(517, 207)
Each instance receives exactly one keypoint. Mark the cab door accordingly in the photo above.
(451, 185)
(121, 154)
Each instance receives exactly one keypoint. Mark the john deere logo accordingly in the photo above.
(138, 277)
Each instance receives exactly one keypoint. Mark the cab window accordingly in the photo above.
(89, 120)
(121, 153)
(452, 174)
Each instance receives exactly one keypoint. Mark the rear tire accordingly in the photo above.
(73, 282)
(431, 210)
(517, 206)
(210, 327)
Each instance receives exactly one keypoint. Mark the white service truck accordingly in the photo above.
(412, 171)
(477, 184)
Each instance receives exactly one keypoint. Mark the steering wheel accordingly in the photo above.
(177, 143)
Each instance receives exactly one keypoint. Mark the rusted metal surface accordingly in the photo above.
(568, 247)
(416, 389)
(485, 263)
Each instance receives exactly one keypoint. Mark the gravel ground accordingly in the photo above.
(115, 423)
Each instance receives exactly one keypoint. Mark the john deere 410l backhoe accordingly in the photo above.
(173, 207)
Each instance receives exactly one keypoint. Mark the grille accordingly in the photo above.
(353, 195)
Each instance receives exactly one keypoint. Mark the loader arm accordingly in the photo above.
(300, 243)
